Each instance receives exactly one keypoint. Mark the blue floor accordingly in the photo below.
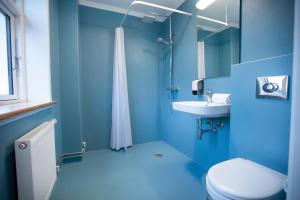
(133, 175)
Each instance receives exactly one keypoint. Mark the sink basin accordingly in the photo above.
(202, 108)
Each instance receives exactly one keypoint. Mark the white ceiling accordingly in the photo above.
(121, 6)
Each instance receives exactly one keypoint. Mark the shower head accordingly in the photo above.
(161, 40)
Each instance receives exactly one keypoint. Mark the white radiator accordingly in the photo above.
(36, 162)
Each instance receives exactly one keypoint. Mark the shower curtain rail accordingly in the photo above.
(213, 20)
(216, 21)
(153, 6)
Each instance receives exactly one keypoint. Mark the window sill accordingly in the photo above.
(12, 110)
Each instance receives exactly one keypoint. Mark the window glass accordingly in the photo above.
(5, 56)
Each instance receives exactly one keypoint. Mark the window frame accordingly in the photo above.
(12, 56)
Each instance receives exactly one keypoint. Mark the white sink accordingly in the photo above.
(203, 108)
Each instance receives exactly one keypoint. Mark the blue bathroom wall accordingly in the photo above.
(260, 21)
(96, 60)
(9, 132)
(55, 74)
(260, 127)
(179, 129)
(267, 28)
(69, 74)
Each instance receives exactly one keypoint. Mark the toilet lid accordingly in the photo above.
(243, 179)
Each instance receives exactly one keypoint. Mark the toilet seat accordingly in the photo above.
(241, 179)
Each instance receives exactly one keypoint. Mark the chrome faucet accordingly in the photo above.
(209, 95)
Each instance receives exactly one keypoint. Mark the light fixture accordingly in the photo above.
(202, 4)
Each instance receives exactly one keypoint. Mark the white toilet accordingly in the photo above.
(242, 179)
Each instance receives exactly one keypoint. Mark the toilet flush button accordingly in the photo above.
(275, 87)
(270, 87)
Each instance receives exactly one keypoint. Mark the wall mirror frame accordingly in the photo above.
(218, 38)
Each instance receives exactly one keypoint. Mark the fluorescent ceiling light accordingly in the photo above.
(202, 4)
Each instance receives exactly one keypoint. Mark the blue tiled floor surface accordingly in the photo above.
(132, 175)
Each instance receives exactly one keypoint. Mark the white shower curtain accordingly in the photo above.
(121, 128)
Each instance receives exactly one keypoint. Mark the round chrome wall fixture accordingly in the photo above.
(23, 145)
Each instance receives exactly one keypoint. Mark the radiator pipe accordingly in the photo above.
(71, 155)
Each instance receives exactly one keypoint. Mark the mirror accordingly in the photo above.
(218, 42)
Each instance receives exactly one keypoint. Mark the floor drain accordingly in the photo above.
(158, 155)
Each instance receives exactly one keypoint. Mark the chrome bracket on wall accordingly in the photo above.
(275, 87)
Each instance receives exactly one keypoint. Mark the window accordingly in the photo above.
(8, 85)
